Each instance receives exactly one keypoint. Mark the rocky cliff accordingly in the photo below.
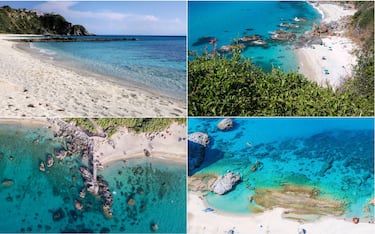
(25, 21)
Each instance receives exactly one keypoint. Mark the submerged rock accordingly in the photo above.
(42, 167)
(225, 183)
(154, 227)
(282, 35)
(50, 161)
(131, 202)
(58, 215)
(225, 124)
(7, 182)
(78, 205)
(300, 200)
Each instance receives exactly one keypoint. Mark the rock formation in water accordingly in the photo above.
(225, 124)
(197, 143)
(225, 183)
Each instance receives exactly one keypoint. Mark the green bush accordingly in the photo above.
(139, 125)
(220, 86)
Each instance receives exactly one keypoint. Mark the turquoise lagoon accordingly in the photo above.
(230, 20)
(155, 63)
(293, 150)
(28, 204)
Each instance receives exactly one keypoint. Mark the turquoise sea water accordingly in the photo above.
(28, 204)
(231, 20)
(154, 62)
(293, 150)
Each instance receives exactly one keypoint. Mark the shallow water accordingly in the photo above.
(293, 150)
(29, 202)
(232, 20)
(153, 62)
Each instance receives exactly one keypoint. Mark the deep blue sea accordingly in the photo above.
(230, 20)
(293, 150)
(154, 62)
(29, 202)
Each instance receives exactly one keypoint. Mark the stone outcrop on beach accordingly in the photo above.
(225, 183)
(308, 39)
(225, 124)
(197, 143)
(23, 21)
(77, 142)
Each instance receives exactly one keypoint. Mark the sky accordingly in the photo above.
(117, 17)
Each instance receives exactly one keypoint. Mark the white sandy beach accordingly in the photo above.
(200, 222)
(169, 144)
(338, 52)
(31, 86)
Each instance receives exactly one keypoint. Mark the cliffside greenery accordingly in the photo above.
(23, 21)
(221, 86)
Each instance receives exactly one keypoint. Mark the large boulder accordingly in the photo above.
(199, 138)
(197, 143)
(225, 183)
(225, 124)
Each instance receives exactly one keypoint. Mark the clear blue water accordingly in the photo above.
(231, 20)
(28, 204)
(154, 62)
(293, 150)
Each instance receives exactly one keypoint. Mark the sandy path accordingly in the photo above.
(35, 88)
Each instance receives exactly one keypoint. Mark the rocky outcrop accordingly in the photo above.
(78, 30)
(225, 124)
(23, 21)
(225, 183)
(197, 143)
(308, 40)
(282, 35)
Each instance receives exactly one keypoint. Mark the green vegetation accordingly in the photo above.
(220, 86)
(29, 22)
(139, 125)
(363, 28)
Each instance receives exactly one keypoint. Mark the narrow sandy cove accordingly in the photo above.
(32, 87)
(169, 144)
(338, 52)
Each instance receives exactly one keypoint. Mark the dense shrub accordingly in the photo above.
(220, 86)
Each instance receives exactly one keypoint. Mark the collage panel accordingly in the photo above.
(281, 175)
(280, 58)
(93, 58)
(93, 175)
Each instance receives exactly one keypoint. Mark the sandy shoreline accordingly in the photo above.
(38, 88)
(169, 145)
(267, 222)
(337, 51)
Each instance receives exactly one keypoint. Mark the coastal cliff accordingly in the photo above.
(23, 21)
